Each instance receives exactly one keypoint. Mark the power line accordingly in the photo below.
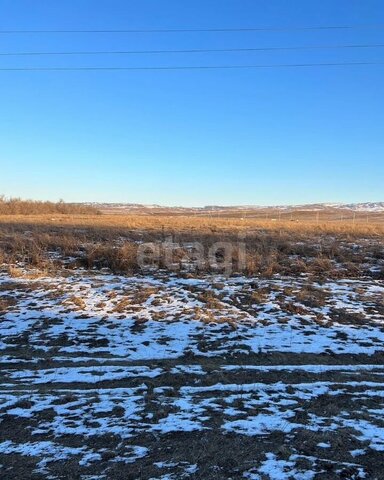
(199, 67)
(194, 50)
(201, 30)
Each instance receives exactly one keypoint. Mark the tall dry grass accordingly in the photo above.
(111, 241)
(199, 225)
(17, 206)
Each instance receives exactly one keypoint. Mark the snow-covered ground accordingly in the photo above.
(163, 377)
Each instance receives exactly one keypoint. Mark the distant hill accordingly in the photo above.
(367, 207)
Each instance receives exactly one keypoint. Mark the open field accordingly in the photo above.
(172, 371)
(111, 241)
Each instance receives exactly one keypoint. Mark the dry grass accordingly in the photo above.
(77, 302)
(17, 206)
(16, 272)
(111, 241)
(170, 224)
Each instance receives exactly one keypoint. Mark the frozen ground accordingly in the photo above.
(106, 377)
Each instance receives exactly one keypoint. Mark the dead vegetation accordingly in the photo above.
(17, 206)
(77, 302)
(111, 242)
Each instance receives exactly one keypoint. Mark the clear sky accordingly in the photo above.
(193, 137)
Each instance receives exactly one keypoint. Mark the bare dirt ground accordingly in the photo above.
(164, 377)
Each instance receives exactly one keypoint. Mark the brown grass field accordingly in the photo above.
(364, 224)
(273, 246)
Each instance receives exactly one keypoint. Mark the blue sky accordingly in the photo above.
(197, 137)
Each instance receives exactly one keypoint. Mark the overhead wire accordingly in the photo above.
(194, 67)
(194, 50)
(197, 30)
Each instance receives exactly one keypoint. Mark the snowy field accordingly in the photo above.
(160, 377)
